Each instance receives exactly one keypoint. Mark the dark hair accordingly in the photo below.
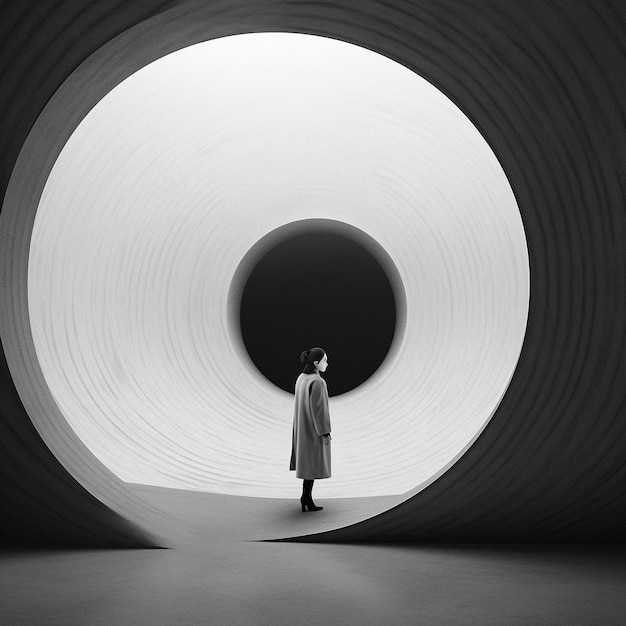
(308, 356)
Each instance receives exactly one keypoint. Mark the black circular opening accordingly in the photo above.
(318, 289)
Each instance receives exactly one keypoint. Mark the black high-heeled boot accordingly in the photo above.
(307, 499)
(309, 505)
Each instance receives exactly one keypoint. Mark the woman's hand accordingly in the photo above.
(327, 438)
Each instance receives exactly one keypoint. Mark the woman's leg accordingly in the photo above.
(307, 499)
(307, 488)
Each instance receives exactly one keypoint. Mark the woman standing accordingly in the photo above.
(310, 447)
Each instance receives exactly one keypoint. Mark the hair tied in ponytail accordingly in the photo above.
(308, 357)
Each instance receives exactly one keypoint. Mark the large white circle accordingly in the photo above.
(178, 172)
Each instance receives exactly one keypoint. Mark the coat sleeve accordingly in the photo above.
(319, 407)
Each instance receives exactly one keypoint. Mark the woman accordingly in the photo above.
(310, 447)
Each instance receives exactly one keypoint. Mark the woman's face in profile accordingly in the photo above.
(322, 364)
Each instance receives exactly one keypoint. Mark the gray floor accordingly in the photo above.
(218, 572)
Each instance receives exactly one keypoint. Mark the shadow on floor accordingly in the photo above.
(218, 571)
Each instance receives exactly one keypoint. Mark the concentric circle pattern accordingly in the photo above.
(170, 180)
(545, 85)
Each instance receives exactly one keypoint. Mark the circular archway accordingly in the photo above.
(156, 198)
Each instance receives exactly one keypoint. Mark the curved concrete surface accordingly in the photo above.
(544, 84)
(159, 195)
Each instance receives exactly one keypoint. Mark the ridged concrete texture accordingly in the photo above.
(158, 198)
(544, 83)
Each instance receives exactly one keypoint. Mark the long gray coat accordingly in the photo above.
(309, 456)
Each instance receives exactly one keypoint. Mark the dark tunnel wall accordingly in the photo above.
(545, 83)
